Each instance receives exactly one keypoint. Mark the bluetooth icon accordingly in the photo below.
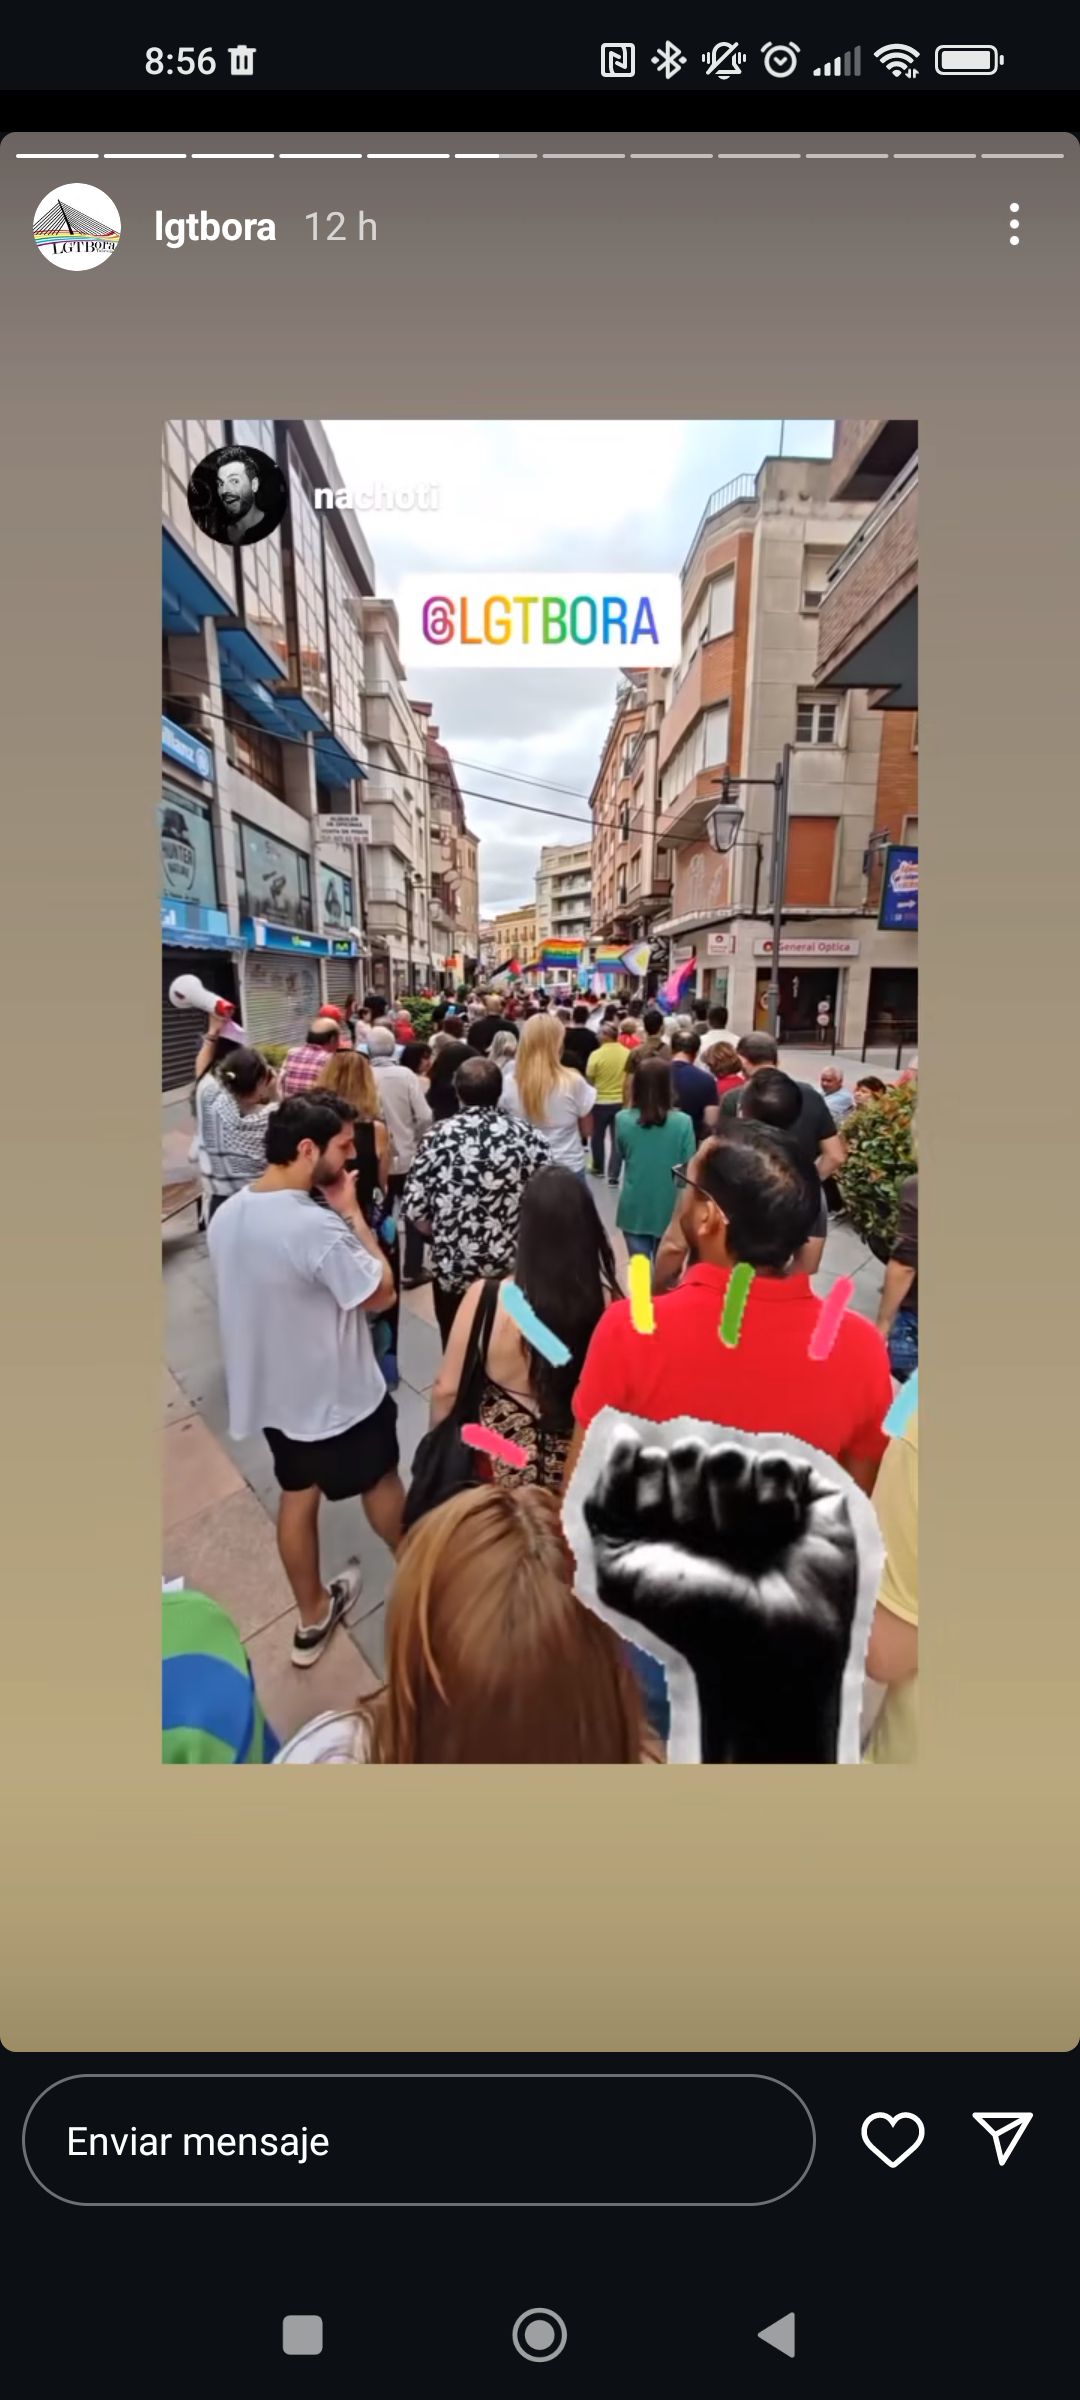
(668, 60)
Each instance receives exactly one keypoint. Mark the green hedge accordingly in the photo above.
(881, 1155)
(419, 1010)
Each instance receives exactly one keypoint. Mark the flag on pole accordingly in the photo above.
(636, 961)
(671, 992)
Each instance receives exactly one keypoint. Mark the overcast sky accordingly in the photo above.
(545, 496)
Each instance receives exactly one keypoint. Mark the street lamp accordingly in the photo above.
(723, 824)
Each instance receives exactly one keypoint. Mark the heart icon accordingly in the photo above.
(890, 2152)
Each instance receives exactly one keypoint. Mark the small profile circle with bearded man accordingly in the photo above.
(237, 495)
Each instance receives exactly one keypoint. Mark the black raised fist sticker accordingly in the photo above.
(746, 1563)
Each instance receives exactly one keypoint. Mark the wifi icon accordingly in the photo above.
(899, 58)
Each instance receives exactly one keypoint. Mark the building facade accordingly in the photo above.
(263, 746)
(748, 683)
(564, 893)
(868, 641)
(455, 870)
(397, 863)
(514, 931)
(631, 866)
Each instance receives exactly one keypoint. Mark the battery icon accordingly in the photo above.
(968, 59)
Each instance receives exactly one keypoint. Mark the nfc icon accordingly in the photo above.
(618, 58)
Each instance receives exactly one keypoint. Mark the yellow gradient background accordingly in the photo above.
(489, 1910)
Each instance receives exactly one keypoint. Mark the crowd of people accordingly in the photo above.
(375, 1158)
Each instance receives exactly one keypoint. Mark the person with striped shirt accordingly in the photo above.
(233, 1106)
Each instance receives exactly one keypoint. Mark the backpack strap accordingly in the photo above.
(475, 1361)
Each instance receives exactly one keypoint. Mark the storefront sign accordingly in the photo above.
(187, 851)
(343, 829)
(258, 935)
(900, 891)
(183, 921)
(719, 944)
(822, 946)
(186, 749)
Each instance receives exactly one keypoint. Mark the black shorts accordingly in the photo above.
(345, 1465)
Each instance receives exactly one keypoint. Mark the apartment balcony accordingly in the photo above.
(869, 453)
(387, 916)
(387, 720)
(391, 826)
(868, 618)
(688, 812)
(706, 684)
(740, 490)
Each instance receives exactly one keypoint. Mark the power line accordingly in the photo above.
(466, 791)
(476, 766)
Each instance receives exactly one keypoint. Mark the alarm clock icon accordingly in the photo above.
(781, 58)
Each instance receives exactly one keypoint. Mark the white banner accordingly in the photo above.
(719, 945)
(529, 618)
(343, 829)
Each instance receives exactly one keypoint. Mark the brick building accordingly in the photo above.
(761, 564)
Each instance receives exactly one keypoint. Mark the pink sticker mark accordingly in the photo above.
(494, 1445)
(828, 1324)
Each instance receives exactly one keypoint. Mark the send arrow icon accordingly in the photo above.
(1004, 2128)
(781, 2335)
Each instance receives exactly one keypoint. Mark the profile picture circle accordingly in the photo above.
(76, 226)
(237, 495)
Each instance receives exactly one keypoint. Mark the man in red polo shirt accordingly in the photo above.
(748, 1201)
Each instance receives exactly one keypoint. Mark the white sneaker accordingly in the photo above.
(309, 1641)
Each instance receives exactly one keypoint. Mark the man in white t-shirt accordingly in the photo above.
(297, 1278)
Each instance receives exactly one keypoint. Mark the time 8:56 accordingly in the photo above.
(186, 61)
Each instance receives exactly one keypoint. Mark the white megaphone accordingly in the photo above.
(186, 991)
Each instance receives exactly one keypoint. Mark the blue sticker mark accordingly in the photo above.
(905, 1403)
(538, 1335)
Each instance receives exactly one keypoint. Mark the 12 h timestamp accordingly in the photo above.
(330, 226)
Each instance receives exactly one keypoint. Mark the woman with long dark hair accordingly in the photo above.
(565, 1268)
(446, 1059)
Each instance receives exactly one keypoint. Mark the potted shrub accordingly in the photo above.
(881, 1155)
(420, 1011)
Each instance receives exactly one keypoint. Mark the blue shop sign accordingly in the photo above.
(186, 749)
(192, 927)
(258, 934)
(900, 891)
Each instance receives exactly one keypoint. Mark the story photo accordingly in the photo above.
(539, 892)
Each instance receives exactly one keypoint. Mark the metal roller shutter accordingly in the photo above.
(182, 1029)
(281, 996)
(341, 978)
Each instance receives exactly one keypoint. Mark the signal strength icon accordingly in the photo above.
(899, 58)
(847, 63)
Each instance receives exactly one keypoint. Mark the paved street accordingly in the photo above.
(221, 1498)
